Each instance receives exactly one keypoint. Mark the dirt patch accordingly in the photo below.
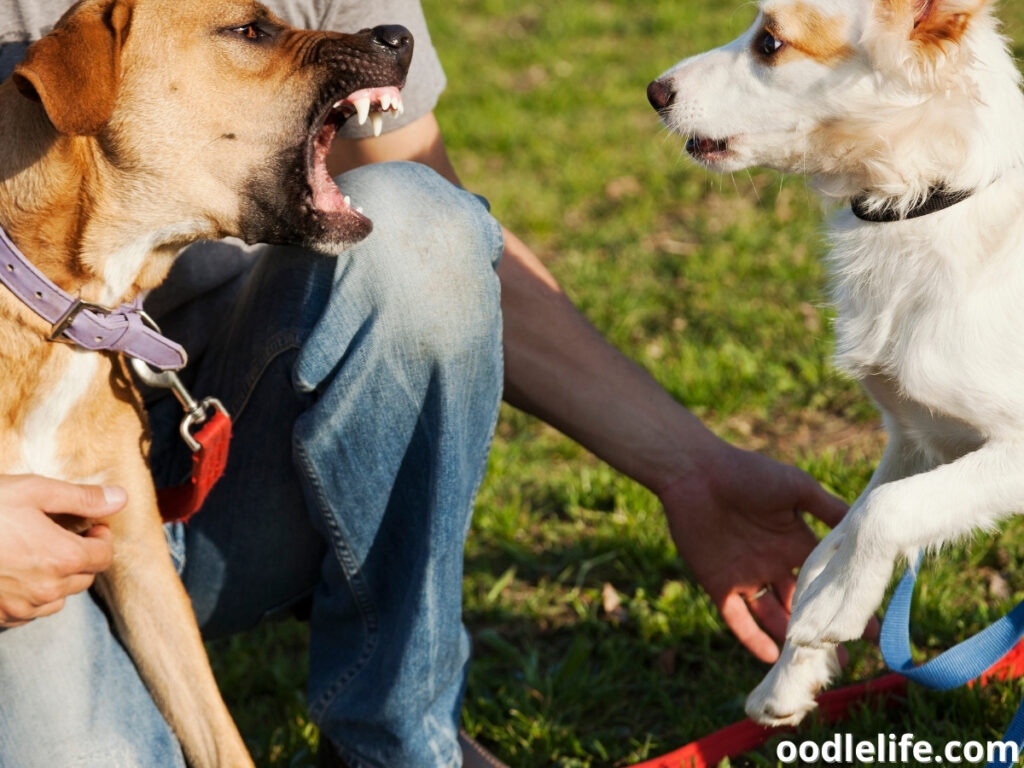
(792, 434)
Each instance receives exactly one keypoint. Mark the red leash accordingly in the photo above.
(209, 445)
(208, 463)
(833, 706)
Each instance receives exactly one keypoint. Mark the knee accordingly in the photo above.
(428, 268)
(409, 199)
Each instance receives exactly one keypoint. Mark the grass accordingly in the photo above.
(715, 285)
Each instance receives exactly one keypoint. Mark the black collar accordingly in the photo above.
(939, 198)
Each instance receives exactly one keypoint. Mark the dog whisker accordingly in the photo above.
(753, 186)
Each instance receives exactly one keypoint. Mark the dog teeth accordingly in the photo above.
(348, 200)
(378, 123)
(362, 106)
(385, 102)
(338, 103)
(358, 209)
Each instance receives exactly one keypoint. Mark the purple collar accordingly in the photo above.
(125, 329)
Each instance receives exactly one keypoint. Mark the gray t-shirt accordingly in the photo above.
(22, 21)
(204, 266)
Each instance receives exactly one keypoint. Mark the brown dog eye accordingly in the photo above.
(250, 31)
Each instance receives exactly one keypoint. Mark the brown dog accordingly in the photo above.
(135, 128)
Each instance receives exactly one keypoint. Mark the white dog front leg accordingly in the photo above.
(900, 516)
(904, 517)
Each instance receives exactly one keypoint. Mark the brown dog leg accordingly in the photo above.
(154, 619)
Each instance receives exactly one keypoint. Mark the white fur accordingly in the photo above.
(121, 269)
(40, 449)
(928, 308)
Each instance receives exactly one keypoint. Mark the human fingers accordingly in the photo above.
(769, 611)
(79, 582)
(42, 597)
(737, 616)
(19, 614)
(820, 503)
(97, 550)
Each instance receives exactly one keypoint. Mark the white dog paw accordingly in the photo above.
(817, 561)
(839, 603)
(786, 694)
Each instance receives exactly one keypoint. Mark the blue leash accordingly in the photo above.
(959, 664)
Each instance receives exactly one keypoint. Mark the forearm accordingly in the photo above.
(559, 368)
(732, 513)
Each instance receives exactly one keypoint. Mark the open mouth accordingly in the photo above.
(365, 104)
(707, 150)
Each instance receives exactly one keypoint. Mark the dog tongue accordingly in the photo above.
(326, 195)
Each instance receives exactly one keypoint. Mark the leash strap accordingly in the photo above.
(209, 444)
(958, 665)
(743, 736)
(837, 704)
(208, 463)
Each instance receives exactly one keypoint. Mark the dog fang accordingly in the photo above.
(362, 106)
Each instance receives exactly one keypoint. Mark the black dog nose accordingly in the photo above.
(660, 94)
(397, 38)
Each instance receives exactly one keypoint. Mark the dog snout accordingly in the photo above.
(660, 94)
(398, 39)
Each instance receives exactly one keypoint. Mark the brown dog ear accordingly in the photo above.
(938, 22)
(939, 18)
(74, 70)
(920, 40)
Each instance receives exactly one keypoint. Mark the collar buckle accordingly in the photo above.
(64, 321)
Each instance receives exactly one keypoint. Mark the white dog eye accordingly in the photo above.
(768, 44)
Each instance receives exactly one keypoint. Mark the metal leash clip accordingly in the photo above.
(197, 412)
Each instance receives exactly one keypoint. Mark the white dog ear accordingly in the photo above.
(74, 70)
(920, 39)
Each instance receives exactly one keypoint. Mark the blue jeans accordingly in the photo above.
(364, 391)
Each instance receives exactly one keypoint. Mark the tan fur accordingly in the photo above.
(807, 32)
(932, 30)
(168, 120)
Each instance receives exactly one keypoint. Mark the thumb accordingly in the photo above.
(820, 503)
(59, 497)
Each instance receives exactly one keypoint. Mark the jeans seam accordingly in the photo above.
(273, 349)
(342, 551)
(497, 241)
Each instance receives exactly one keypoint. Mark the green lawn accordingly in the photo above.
(715, 285)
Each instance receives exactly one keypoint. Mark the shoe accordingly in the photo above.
(475, 756)
(326, 757)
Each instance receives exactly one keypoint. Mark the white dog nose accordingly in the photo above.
(660, 94)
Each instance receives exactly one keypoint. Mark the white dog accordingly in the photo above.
(910, 110)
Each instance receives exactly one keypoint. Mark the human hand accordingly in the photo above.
(42, 563)
(736, 521)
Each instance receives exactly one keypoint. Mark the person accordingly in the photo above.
(365, 392)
